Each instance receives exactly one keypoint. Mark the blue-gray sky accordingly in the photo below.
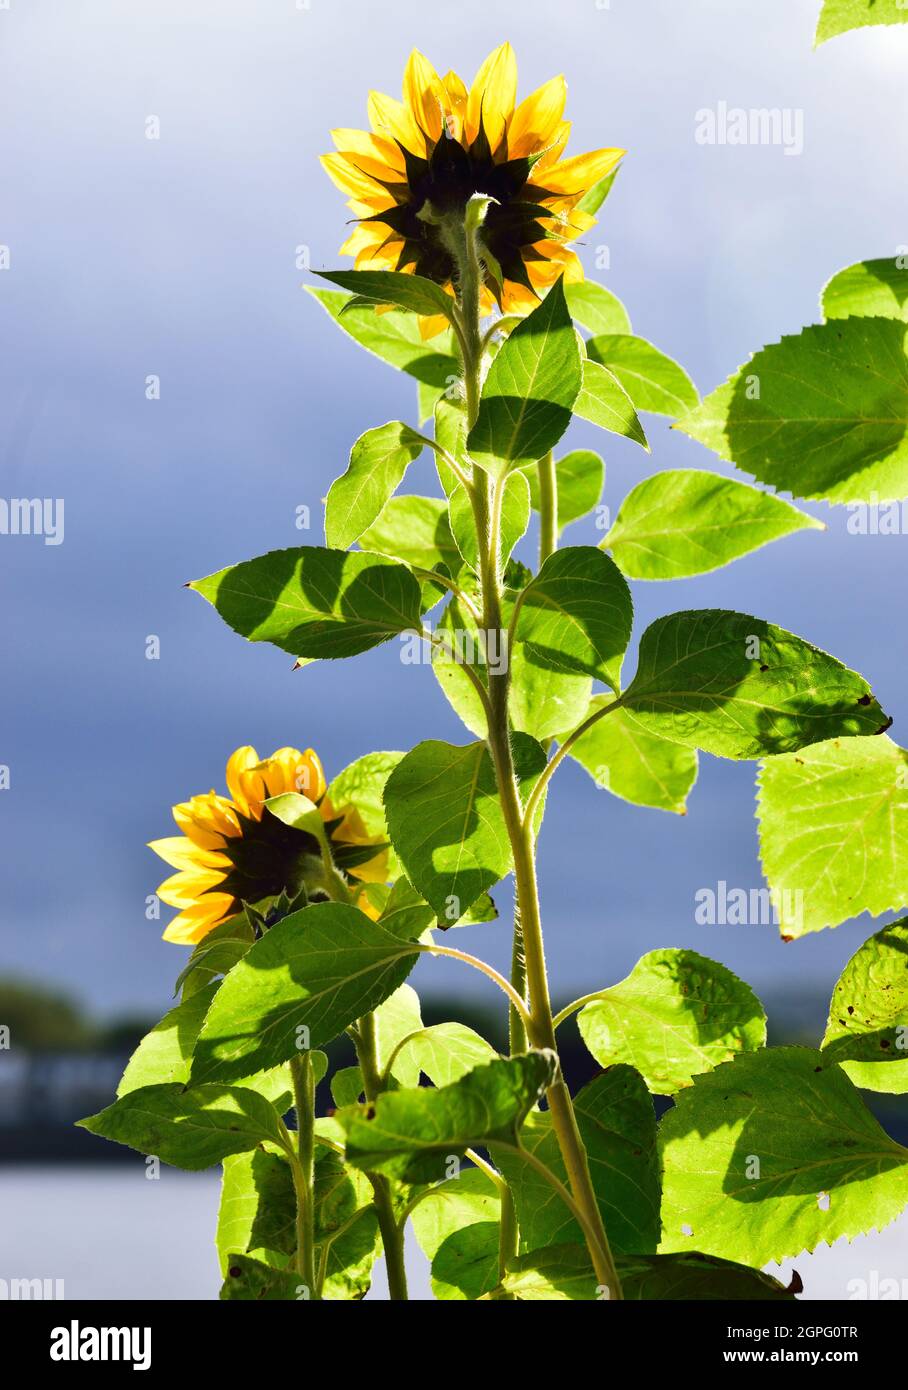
(176, 257)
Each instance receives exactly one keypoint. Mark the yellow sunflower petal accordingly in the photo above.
(196, 922)
(381, 256)
(185, 889)
(578, 174)
(238, 764)
(366, 905)
(535, 123)
(557, 261)
(492, 96)
(517, 299)
(391, 119)
(350, 179)
(431, 325)
(557, 145)
(181, 853)
(424, 94)
(375, 148)
(366, 236)
(456, 105)
(311, 776)
(208, 821)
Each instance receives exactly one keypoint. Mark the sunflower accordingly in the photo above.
(428, 155)
(232, 850)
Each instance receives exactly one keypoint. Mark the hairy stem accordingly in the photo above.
(529, 953)
(304, 1169)
(548, 508)
(392, 1233)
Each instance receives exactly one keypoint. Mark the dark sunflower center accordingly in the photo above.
(441, 185)
(267, 859)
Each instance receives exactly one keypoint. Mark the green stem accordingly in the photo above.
(392, 1230)
(304, 1169)
(517, 1032)
(520, 833)
(548, 508)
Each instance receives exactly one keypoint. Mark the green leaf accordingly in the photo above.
(347, 1240)
(633, 764)
(530, 389)
(466, 1264)
(696, 1276)
(675, 1015)
(257, 1211)
(257, 1226)
(411, 1135)
(347, 1086)
(446, 821)
(684, 522)
(838, 16)
(362, 785)
(544, 700)
(411, 292)
(165, 1054)
(873, 288)
(596, 308)
(215, 954)
(576, 615)
(456, 1225)
(414, 530)
(654, 381)
(834, 832)
(450, 435)
(515, 518)
(395, 338)
(396, 1019)
(773, 1154)
(319, 969)
(378, 461)
(618, 1128)
(579, 478)
(562, 1272)
(867, 1032)
(552, 1274)
(253, 1281)
(313, 602)
(820, 414)
(458, 627)
(739, 687)
(594, 197)
(445, 1052)
(189, 1128)
(604, 402)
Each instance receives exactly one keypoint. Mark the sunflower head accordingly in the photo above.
(232, 850)
(426, 158)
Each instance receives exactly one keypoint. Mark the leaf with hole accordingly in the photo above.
(833, 825)
(740, 687)
(773, 1154)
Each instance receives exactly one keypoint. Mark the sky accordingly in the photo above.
(176, 257)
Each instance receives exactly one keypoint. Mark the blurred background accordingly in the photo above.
(177, 257)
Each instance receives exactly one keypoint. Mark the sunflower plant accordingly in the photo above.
(308, 903)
